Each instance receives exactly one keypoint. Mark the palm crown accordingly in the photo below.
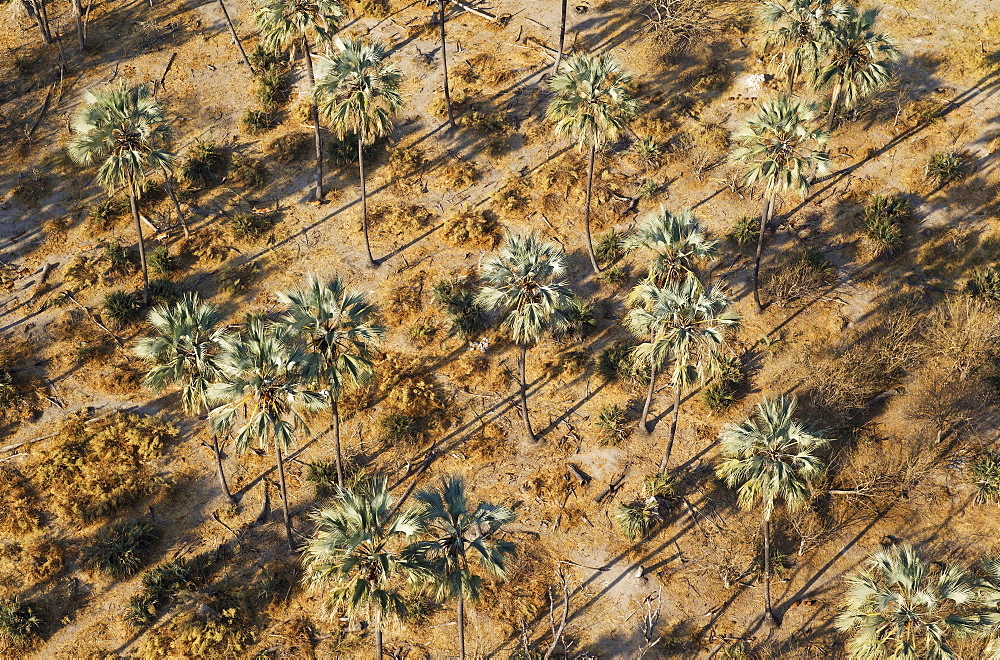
(519, 282)
(358, 552)
(592, 104)
(778, 146)
(184, 349)
(771, 457)
(283, 23)
(897, 607)
(127, 130)
(802, 28)
(357, 90)
(676, 239)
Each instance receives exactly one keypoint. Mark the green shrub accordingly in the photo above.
(119, 258)
(986, 477)
(609, 246)
(273, 90)
(204, 165)
(985, 283)
(613, 423)
(883, 218)
(580, 320)
(724, 390)
(102, 214)
(234, 277)
(159, 262)
(257, 121)
(649, 189)
(264, 59)
(945, 168)
(252, 225)
(120, 308)
(323, 476)
(20, 624)
(159, 585)
(163, 291)
(398, 428)
(121, 549)
(457, 297)
(616, 275)
(745, 231)
(649, 151)
(615, 364)
(141, 610)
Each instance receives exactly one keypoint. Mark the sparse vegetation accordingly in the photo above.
(120, 549)
(947, 168)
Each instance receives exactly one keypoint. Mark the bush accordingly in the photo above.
(457, 296)
(290, 148)
(609, 246)
(323, 476)
(20, 513)
(252, 225)
(469, 227)
(237, 277)
(159, 585)
(273, 90)
(119, 258)
(248, 171)
(163, 291)
(615, 364)
(398, 428)
(204, 165)
(159, 262)
(257, 121)
(20, 624)
(649, 151)
(883, 218)
(799, 277)
(406, 161)
(723, 391)
(985, 283)
(613, 423)
(745, 231)
(580, 320)
(120, 308)
(121, 549)
(947, 168)
(986, 477)
(101, 216)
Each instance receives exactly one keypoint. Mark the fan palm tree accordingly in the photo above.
(593, 106)
(520, 284)
(769, 458)
(184, 349)
(261, 375)
(358, 91)
(459, 533)
(860, 61)
(898, 606)
(781, 153)
(682, 324)
(677, 242)
(126, 131)
(362, 553)
(801, 30)
(336, 326)
(444, 63)
(286, 25)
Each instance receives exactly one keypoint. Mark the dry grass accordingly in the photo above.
(469, 227)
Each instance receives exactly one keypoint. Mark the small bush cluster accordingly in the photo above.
(609, 246)
(205, 164)
(637, 519)
(323, 476)
(290, 148)
(252, 225)
(119, 258)
(102, 216)
(745, 231)
(986, 477)
(120, 309)
(233, 277)
(723, 391)
(580, 320)
(615, 364)
(985, 283)
(883, 218)
(20, 625)
(469, 227)
(613, 425)
(159, 262)
(457, 297)
(946, 168)
(398, 428)
(159, 586)
(799, 277)
(248, 171)
(120, 549)
(20, 513)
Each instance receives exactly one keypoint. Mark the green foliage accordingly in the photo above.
(20, 624)
(614, 425)
(159, 585)
(985, 283)
(723, 391)
(745, 231)
(637, 519)
(985, 471)
(120, 308)
(264, 59)
(616, 275)
(883, 218)
(119, 258)
(661, 484)
(649, 151)
(323, 476)
(648, 189)
(457, 297)
(121, 549)
(235, 277)
(252, 225)
(398, 428)
(615, 364)
(159, 262)
(257, 121)
(579, 320)
(273, 89)
(102, 214)
(945, 168)
(204, 165)
(163, 291)
(609, 246)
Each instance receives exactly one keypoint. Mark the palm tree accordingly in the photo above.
(184, 349)
(677, 242)
(336, 326)
(262, 372)
(682, 324)
(562, 38)
(125, 130)
(592, 105)
(358, 91)
(782, 153)
(801, 29)
(459, 532)
(898, 606)
(286, 25)
(361, 552)
(770, 458)
(519, 283)
(444, 63)
(860, 61)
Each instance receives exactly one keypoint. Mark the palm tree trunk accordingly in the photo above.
(649, 398)
(562, 39)
(177, 205)
(336, 440)
(767, 572)
(834, 106)
(793, 71)
(36, 10)
(81, 37)
(444, 62)
(765, 219)
(461, 627)
(364, 202)
(314, 114)
(378, 643)
(280, 460)
(524, 392)
(236, 37)
(586, 211)
(673, 427)
(219, 469)
(132, 194)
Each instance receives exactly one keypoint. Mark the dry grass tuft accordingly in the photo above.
(469, 227)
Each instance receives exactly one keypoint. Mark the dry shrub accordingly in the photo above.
(206, 244)
(962, 335)
(457, 175)
(290, 148)
(294, 639)
(884, 468)
(473, 372)
(396, 219)
(484, 68)
(524, 594)
(403, 300)
(798, 278)
(20, 513)
(487, 443)
(43, 559)
(469, 227)
(93, 470)
(405, 161)
(81, 272)
(512, 196)
(192, 635)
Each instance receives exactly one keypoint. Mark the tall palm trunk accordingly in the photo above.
(132, 195)
(364, 201)
(314, 114)
(335, 410)
(177, 204)
(765, 220)
(378, 642)
(81, 36)
(236, 37)
(793, 73)
(834, 105)
(219, 469)
(524, 392)
(767, 572)
(461, 627)
(444, 62)
(673, 427)
(280, 460)
(36, 10)
(562, 39)
(586, 211)
(649, 398)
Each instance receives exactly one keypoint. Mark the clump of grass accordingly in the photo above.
(248, 171)
(613, 423)
(237, 277)
(723, 391)
(457, 297)
(163, 291)
(745, 231)
(119, 258)
(159, 585)
(406, 161)
(257, 121)
(649, 151)
(287, 149)
(799, 277)
(615, 364)
(649, 189)
(609, 246)
(121, 549)
(985, 283)
(637, 519)
(323, 476)
(986, 477)
(252, 225)
(616, 275)
(467, 226)
(398, 428)
(20, 624)
(120, 308)
(273, 90)
(204, 165)
(884, 217)
(946, 168)
(159, 262)
(101, 216)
